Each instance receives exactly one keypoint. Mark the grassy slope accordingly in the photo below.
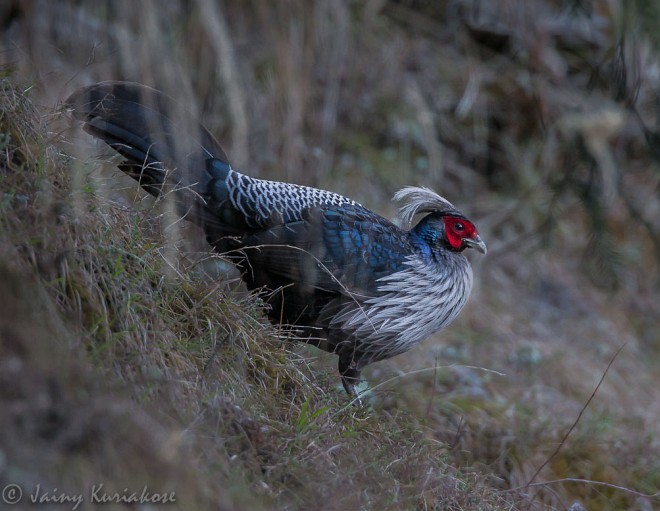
(532, 119)
(115, 374)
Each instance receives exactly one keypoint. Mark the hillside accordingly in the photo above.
(131, 356)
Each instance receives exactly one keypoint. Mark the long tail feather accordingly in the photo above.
(165, 148)
(150, 130)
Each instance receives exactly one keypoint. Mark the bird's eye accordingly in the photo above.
(459, 226)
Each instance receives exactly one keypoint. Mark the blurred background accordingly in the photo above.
(539, 119)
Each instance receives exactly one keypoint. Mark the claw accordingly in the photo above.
(352, 391)
(350, 379)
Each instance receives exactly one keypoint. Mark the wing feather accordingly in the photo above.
(338, 249)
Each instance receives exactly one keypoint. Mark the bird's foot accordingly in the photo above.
(353, 392)
(350, 379)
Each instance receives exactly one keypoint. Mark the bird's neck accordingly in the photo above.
(428, 242)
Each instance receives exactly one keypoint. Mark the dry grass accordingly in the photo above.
(540, 121)
(114, 373)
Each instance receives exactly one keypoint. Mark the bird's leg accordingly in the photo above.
(350, 376)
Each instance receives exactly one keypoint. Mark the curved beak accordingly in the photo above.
(476, 243)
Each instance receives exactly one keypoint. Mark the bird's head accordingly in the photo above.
(445, 225)
(460, 234)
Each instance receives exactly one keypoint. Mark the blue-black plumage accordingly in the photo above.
(352, 282)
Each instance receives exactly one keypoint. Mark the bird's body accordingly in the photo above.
(351, 281)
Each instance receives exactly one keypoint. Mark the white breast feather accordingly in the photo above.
(418, 302)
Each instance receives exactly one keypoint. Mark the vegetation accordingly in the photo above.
(131, 357)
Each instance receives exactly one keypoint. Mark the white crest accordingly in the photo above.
(419, 200)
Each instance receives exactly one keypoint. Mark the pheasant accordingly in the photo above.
(350, 281)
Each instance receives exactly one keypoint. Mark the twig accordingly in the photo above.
(575, 423)
(433, 389)
(419, 371)
(586, 481)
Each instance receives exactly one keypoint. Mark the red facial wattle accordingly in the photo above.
(457, 229)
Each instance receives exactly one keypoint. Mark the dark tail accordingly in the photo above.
(165, 148)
